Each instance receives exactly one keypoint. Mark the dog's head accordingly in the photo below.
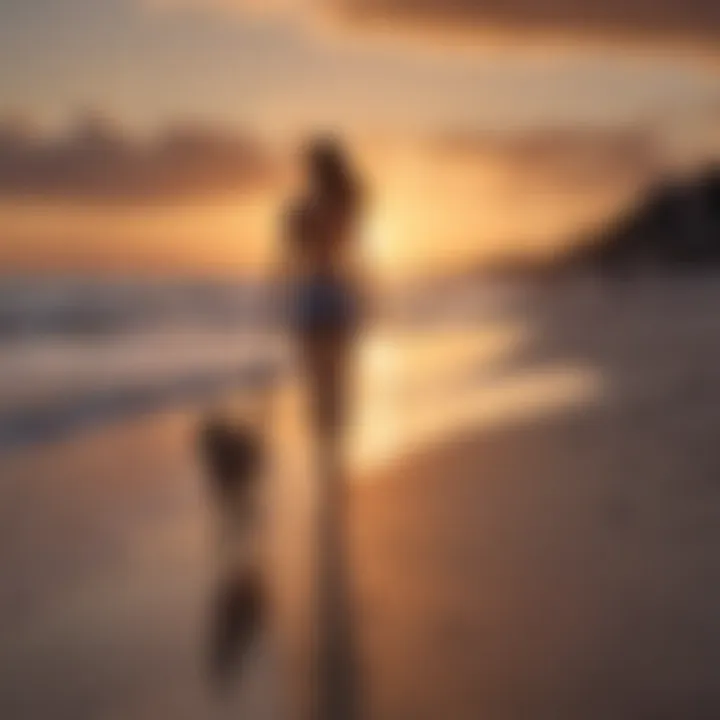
(233, 445)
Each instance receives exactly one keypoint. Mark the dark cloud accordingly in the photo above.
(697, 20)
(97, 163)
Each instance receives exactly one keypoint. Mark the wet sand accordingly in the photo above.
(530, 574)
(544, 546)
(113, 569)
(562, 564)
(108, 576)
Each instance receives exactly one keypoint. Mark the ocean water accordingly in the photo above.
(85, 307)
(75, 353)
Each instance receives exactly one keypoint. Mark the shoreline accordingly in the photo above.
(49, 423)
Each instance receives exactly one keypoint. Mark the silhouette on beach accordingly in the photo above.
(321, 239)
(321, 235)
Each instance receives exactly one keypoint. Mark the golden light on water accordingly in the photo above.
(416, 390)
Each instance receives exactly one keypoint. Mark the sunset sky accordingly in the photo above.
(154, 134)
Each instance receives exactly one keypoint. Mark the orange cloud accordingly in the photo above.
(564, 158)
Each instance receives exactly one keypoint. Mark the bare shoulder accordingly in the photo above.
(299, 217)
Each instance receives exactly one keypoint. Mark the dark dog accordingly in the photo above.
(234, 455)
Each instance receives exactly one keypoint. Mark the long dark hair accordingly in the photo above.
(331, 173)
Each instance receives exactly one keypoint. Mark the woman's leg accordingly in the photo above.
(327, 367)
(326, 357)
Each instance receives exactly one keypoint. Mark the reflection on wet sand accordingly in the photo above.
(237, 619)
(340, 680)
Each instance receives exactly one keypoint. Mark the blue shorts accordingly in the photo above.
(323, 305)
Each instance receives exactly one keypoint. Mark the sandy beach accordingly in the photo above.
(533, 532)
